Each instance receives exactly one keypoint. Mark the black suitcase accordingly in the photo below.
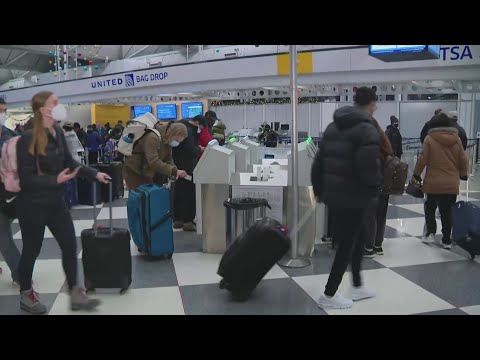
(251, 256)
(115, 170)
(106, 256)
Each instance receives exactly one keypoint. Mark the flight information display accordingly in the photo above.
(392, 53)
(190, 110)
(140, 110)
(166, 111)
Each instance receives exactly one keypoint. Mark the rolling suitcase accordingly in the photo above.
(251, 256)
(150, 220)
(106, 256)
(466, 226)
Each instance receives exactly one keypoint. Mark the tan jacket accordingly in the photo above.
(150, 156)
(445, 159)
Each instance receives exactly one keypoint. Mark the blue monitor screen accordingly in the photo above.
(140, 110)
(190, 110)
(394, 53)
(166, 111)
(380, 49)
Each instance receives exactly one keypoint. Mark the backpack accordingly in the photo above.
(8, 165)
(135, 131)
(395, 176)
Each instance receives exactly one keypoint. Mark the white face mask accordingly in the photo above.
(215, 123)
(199, 131)
(3, 118)
(174, 143)
(59, 113)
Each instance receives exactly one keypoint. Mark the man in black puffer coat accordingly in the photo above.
(346, 176)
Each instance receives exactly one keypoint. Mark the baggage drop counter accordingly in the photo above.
(212, 177)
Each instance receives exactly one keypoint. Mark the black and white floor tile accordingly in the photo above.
(411, 278)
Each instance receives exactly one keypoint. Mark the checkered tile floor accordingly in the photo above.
(411, 278)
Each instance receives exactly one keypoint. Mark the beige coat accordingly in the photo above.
(445, 160)
(150, 156)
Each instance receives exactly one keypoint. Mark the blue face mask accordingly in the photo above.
(174, 143)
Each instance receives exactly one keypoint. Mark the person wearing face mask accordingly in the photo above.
(393, 134)
(185, 156)
(8, 249)
(44, 165)
(152, 155)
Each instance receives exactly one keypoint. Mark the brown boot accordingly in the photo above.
(190, 226)
(178, 224)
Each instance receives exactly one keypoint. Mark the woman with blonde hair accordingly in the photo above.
(44, 164)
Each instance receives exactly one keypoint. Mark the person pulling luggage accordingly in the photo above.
(152, 155)
(44, 164)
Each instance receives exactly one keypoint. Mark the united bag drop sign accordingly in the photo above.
(130, 80)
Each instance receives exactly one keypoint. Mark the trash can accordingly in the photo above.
(241, 213)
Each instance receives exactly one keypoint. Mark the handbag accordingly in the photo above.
(414, 189)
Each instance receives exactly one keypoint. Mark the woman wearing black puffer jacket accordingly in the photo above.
(44, 164)
(346, 176)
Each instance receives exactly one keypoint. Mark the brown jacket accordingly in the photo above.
(150, 156)
(445, 159)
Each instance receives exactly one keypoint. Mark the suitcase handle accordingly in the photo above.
(94, 192)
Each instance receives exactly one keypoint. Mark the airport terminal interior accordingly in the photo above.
(102, 84)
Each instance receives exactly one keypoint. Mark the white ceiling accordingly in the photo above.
(17, 60)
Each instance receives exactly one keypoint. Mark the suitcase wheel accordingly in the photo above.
(123, 291)
(168, 256)
(139, 250)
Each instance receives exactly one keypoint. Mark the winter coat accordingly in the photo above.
(151, 156)
(445, 160)
(218, 131)
(42, 187)
(396, 139)
(347, 171)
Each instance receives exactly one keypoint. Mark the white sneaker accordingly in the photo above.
(446, 246)
(360, 293)
(335, 302)
(430, 239)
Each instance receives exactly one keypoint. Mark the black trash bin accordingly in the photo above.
(241, 213)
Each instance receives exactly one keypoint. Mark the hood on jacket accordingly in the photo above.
(349, 116)
(446, 136)
(391, 127)
(219, 125)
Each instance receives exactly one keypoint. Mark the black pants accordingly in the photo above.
(33, 219)
(445, 203)
(92, 157)
(378, 222)
(184, 201)
(350, 237)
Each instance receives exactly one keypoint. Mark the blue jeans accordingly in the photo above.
(8, 249)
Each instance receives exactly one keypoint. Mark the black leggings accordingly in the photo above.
(32, 219)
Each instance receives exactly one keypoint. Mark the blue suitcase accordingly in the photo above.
(466, 227)
(150, 220)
